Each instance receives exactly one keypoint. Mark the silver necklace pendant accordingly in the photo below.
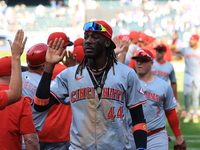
(98, 90)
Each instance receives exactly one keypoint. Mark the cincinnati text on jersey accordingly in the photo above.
(89, 92)
(162, 73)
(29, 86)
(153, 97)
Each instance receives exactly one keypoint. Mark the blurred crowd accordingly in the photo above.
(160, 19)
(155, 18)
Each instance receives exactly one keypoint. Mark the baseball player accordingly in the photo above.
(164, 69)
(35, 57)
(55, 133)
(15, 117)
(191, 77)
(160, 104)
(102, 93)
(13, 94)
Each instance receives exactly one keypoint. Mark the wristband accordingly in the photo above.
(141, 148)
(140, 126)
(41, 102)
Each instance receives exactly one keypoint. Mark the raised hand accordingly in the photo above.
(124, 44)
(116, 40)
(55, 52)
(17, 46)
(70, 59)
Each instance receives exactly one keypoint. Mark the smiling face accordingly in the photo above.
(95, 45)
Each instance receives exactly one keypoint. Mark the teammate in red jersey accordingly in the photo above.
(14, 93)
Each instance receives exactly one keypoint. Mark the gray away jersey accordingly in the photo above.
(159, 97)
(30, 83)
(164, 71)
(192, 65)
(101, 124)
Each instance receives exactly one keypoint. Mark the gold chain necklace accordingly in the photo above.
(99, 70)
(99, 88)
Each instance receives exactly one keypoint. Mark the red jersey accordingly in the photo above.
(16, 119)
(3, 99)
(57, 124)
(168, 54)
(132, 63)
(58, 68)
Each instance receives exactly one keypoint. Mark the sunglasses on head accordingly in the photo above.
(143, 54)
(93, 26)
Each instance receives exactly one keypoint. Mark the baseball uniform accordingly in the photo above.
(191, 77)
(30, 82)
(164, 71)
(55, 133)
(16, 119)
(3, 100)
(160, 98)
(106, 125)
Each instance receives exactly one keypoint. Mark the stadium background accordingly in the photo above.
(38, 18)
(158, 18)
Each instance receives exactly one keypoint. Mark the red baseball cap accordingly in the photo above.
(194, 37)
(142, 37)
(150, 39)
(79, 51)
(161, 47)
(78, 42)
(143, 53)
(122, 36)
(108, 33)
(5, 66)
(134, 34)
(58, 35)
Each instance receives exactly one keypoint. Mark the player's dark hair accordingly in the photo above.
(34, 68)
(110, 56)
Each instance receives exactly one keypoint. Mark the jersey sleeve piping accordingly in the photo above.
(54, 95)
(137, 104)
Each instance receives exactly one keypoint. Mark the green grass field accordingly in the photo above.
(8, 53)
(190, 131)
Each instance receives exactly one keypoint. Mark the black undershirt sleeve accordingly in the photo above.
(140, 136)
(43, 92)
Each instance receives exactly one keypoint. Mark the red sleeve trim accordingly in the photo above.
(41, 102)
(173, 121)
(54, 95)
(140, 126)
(140, 103)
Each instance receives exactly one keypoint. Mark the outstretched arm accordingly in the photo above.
(15, 88)
(175, 125)
(55, 53)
